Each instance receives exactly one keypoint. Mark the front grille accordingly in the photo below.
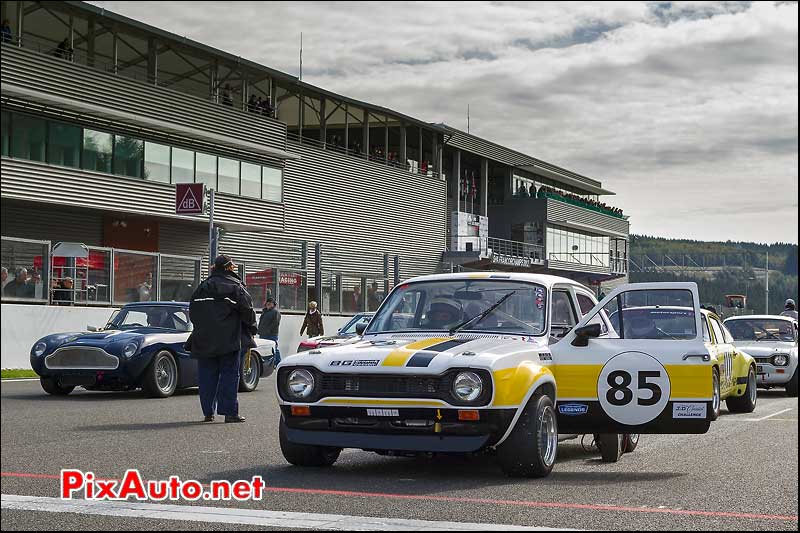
(437, 387)
(81, 358)
(385, 386)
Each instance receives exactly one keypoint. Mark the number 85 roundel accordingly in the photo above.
(633, 388)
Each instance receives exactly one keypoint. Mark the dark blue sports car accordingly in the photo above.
(142, 346)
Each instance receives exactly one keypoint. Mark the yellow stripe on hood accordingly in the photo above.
(401, 356)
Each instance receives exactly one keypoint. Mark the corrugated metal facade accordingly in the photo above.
(561, 211)
(360, 210)
(51, 75)
(39, 182)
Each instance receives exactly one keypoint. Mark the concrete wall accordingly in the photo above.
(23, 325)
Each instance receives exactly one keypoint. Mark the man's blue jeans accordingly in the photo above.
(218, 378)
(277, 350)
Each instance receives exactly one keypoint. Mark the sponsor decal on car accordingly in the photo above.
(358, 362)
(688, 410)
(545, 356)
(573, 409)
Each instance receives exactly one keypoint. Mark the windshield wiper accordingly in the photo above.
(455, 329)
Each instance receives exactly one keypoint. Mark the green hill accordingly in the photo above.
(730, 268)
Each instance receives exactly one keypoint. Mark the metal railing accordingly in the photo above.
(133, 72)
(593, 259)
(516, 249)
(360, 154)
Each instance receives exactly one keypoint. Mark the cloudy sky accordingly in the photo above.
(688, 110)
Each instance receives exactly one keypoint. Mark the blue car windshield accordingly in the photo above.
(439, 305)
(350, 327)
(154, 316)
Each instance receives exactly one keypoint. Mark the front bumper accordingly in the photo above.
(125, 375)
(771, 375)
(403, 430)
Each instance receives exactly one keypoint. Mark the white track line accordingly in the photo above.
(768, 416)
(233, 515)
(13, 380)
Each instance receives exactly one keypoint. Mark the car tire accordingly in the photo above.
(530, 450)
(629, 442)
(52, 387)
(249, 382)
(791, 387)
(716, 400)
(303, 454)
(611, 446)
(160, 378)
(746, 403)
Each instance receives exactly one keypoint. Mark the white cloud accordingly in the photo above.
(688, 110)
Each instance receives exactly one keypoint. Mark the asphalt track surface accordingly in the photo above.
(741, 475)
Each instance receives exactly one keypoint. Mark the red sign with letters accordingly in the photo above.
(189, 198)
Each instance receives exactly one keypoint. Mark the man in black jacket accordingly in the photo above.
(268, 325)
(224, 324)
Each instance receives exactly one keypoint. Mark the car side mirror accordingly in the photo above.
(582, 335)
(92, 328)
(360, 328)
(339, 330)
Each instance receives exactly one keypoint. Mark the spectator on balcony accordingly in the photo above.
(253, 103)
(227, 97)
(63, 294)
(64, 50)
(522, 192)
(20, 287)
(267, 107)
(5, 278)
(7, 36)
(532, 191)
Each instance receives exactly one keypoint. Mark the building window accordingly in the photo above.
(6, 123)
(97, 150)
(128, 156)
(182, 166)
(206, 170)
(156, 162)
(271, 183)
(228, 176)
(28, 140)
(251, 180)
(64, 144)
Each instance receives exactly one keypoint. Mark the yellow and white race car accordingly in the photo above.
(502, 362)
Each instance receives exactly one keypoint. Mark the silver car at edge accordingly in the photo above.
(772, 341)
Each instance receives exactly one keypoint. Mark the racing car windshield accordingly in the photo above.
(444, 304)
(761, 329)
(155, 316)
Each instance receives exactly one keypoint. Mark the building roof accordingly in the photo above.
(491, 150)
(209, 50)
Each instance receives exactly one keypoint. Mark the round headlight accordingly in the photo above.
(39, 349)
(130, 349)
(300, 383)
(467, 386)
(780, 360)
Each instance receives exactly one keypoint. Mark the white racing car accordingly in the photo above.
(501, 363)
(772, 341)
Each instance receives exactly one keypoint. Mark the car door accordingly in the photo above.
(649, 375)
(725, 354)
